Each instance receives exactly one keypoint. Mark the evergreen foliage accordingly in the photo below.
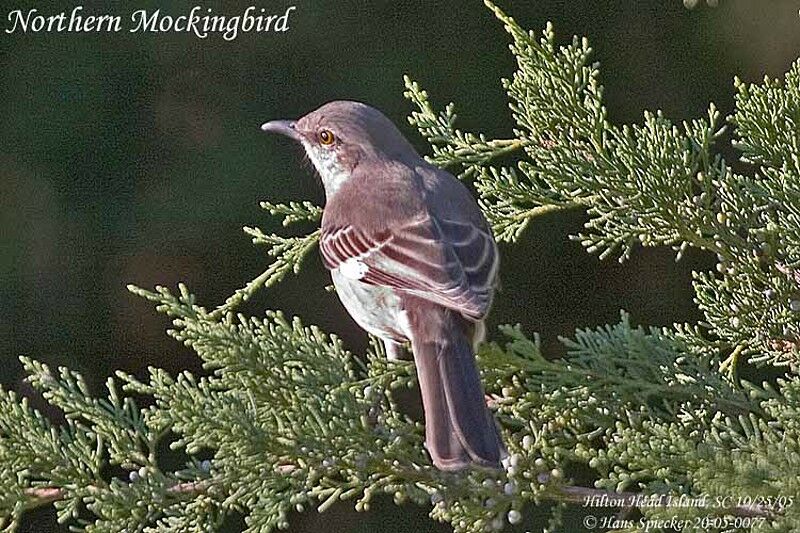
(292, 420)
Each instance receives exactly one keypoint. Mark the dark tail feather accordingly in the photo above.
(459, 429)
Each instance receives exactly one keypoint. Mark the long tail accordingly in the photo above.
(459, 429)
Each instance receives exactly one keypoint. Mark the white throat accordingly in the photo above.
(332, 173)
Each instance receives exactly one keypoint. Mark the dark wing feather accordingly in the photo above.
(476, 251)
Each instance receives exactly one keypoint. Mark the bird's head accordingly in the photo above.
(340, 135)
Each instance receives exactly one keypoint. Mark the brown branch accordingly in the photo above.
(39, 496)
(43, 495)
(784, 345)
(584, 496)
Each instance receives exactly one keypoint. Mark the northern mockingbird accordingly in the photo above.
(413, 260)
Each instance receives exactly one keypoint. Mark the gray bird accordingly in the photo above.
(413, 260)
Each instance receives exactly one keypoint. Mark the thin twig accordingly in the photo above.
(584, 496)
(40, 496)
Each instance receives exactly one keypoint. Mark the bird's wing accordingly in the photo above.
(476, 251)
(447, 262)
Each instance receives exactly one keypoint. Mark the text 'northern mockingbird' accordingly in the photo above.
(413, 260)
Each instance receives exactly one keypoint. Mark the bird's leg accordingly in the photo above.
(396, 351)
(478, 335)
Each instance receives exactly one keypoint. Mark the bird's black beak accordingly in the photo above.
(284, 127)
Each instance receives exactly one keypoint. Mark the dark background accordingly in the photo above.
(137, 158)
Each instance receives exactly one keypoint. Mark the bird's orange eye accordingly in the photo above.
(326, 137)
